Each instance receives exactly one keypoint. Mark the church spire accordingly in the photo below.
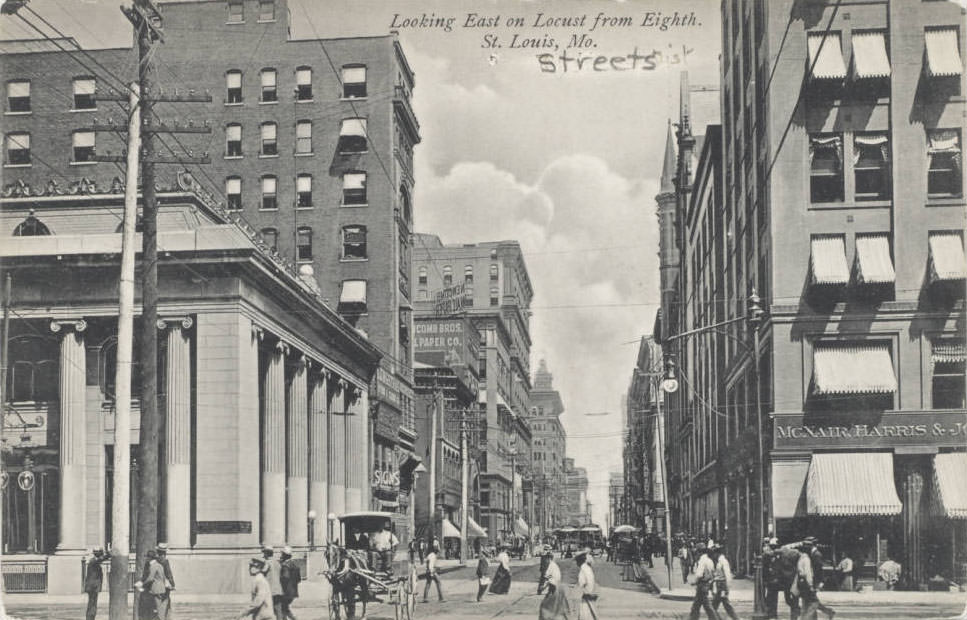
(670, 163)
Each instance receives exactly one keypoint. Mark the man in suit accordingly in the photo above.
(94, 580)
(290, 576)
(162, 551)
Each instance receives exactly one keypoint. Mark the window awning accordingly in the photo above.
(475, 530)
(947, 260)
(788, 482)
(853, 369)
(950, 492)
(869, 55)
(949, 352)
(827, 260)
(18, 89)
(873, 262)
(943, 53)
(353, 127)
(450, 530)
(84, 86)
(233, 79)
(520, 527)
(826, 56)
(851, 483)
(353, 293)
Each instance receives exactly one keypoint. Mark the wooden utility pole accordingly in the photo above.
(464, 487)
(437, 409)
(4, 397)
(121, 490)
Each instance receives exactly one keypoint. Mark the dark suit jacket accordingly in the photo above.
(290, 577)
(95, 574)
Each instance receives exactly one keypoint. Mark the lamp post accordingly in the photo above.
(332, 524)
(311, 517)
(754, 317)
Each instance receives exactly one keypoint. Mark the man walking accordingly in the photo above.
(432, 576)
(162, 551)
(273, 574)
(703, 574)
(810, 591)
(94, 580)
(260, 607)
(542, 570)
(289, 576)
(588, 609)
(156, 585)
(721, 582)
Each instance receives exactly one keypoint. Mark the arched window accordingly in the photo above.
(422, 275)
(270, 92)
(303, 84)
(303, 243)
(233, 86)
(31, 227)
(109, 362)
(271, 237)
(494, 296)
(233, 193)
(354, 81)
(303, 190)
(270, 134)
(494, 273)
(447, 275)
(233, 140)
(269, 189)
(354, 242)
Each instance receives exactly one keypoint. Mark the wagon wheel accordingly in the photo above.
(361, 595)
(335, 602)
(409, 596)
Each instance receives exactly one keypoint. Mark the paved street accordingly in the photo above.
(619, 600)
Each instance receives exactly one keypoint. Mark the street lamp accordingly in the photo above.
(754, 317)
(332, 518)
(312, 529)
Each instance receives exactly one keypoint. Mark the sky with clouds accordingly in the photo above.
(565, 162)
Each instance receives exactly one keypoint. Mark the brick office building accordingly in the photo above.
(549, 445)
(493, 289)
(312, 144)
(263, 390)
(841, 204)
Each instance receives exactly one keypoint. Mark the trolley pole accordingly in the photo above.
(436, 409)
(464, 487)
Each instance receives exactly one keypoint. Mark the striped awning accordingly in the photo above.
(826, 56)
(853, 369)
(943, 52)
(475, 530)
(949, 352)
(873, 262)
(520, 527)
(851, 483)
(450, 530)
(827, 260)
(950, 492)
(947, 260)
(869, 55)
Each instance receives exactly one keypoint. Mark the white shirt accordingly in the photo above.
(845, 565)
(723, 572)
(553, 574)
(384, 540)
(504, 560)
(431, 562)
(704, 569)
(586, 579)
(804, 568)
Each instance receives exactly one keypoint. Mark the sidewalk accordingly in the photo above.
(742, 590)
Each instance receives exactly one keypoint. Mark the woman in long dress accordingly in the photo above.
(501, 582)
(555, 605)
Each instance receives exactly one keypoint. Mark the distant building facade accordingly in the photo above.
(643, 497)
(576, 493)
(549, 446)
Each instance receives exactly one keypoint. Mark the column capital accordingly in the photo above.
(281, 347)
(185, 321)
(79, 325)
(298, 360)
(258, 333)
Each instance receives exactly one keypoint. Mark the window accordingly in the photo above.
(83, 143)
(945, 163)
(354, 242)
(84, 94)
(270, 145)
(447, 276)
(949, 370)
(871, 166)
(826, 168)
(303, 137)
(494, 272)
(352, 135)
(354, 188)
(303, 84)
(271, 238)
(494, 297)
(303, 243)
(468, 274)
(270, 92)
(233, 140)
(269, 200)
(33, 375)
(17, 149)
(31, 227)
(18, 96)
(303, 191)
(422, 275)
(233, 193)
(353, 81)
(233, 87)
(266, 10)
(236, 12)
(943, 52)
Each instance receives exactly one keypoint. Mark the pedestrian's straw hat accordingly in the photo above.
(583, 552)
(287, 550)
(257, 563)
(268, 549)
(162, 547)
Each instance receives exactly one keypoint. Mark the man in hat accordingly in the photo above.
(260, 607)
(546, 556)
(273, 574)
(290, 576)
(94, 580)
(809, 586)
(432, 576)
(721, 581)
(587, 609)
(770, 576)
(703, 573)
(162, 552)
(385, 543)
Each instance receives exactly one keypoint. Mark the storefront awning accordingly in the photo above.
(869, 55)
(873, 262)
(788, 482)
(520, 527)
(950, 490)
(827, 260)
(947, 260)
(949, 353)
(826, 56)
(475, 530)
(943, 53)
(450, 530)
(851, 484)
(854, 369)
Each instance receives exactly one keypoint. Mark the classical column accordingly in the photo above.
(273, 447)
(365, 449)
(912, 518)
(73, 435)
(337, 446)
(352, 449)
(177, 384)
(297, 456)
(318, 453)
